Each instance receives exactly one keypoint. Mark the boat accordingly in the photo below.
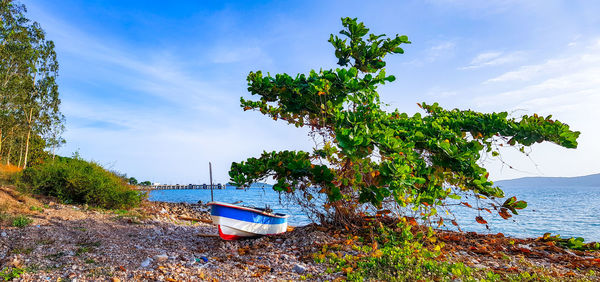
(237, 222)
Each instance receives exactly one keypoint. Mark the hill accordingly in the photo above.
(592, 180)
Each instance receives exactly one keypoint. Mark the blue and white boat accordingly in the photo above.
(237, 222)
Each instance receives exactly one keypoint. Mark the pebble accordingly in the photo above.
(300, 269)
(3, 234)
(161, 258)
(146, 262)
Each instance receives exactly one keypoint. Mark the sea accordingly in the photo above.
(566, 211)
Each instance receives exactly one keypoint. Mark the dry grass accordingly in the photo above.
(13, 202)
(6, 171)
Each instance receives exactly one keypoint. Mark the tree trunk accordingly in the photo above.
(10, 145)
(28, 135)
(26, 149)
(20, 154)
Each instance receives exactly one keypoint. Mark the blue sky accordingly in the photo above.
(152, 88)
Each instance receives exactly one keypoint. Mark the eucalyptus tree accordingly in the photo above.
(367, 159)
(30, 99)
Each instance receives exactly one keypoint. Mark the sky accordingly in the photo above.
(152, 88)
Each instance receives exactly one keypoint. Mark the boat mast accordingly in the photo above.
(211, 184)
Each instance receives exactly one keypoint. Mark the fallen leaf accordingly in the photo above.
(480, 220)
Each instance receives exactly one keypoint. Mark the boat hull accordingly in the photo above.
(237, 222)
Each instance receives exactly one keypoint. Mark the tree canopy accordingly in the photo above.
(368, 159)
(30, 118)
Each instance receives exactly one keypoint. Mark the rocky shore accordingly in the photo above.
(151, 243)
(171, 242)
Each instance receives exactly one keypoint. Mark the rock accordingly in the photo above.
(161, 258)
(3, 234)
(115, 279)
(527, 247)
(163, 210)
(146, 262)
(300, 269)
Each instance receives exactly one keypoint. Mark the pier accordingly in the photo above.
(182, 186)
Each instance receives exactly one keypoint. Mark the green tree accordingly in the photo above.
(132, 181)
(29, 103)
(367, 158)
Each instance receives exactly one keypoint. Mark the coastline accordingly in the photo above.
(153, 243)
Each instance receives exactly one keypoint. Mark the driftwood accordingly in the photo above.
(208, 235)
(195, 219)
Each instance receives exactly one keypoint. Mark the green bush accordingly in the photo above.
(74, 180)
(11, 273)
(21, 221)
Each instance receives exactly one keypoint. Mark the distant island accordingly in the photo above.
(592, 180)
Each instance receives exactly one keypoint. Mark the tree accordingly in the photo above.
(367, 159)
(29, 103)
(132, 181)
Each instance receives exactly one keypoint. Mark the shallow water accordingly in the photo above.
(568, 211)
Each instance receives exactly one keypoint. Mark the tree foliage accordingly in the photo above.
(365, 155)
(29, 102)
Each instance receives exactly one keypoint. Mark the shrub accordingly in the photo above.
(21, 221)
(74, 180)
(11, 273)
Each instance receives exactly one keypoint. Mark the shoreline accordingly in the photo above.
(152, 243)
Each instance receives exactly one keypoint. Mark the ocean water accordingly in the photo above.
(568, 211)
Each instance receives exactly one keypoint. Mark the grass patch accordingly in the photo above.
(10, 273)
(406, 253)
(36, 209)
(82, 250)
(21, 221)
(21, 251)
(76, 181)
(55, 256)
(7, 172)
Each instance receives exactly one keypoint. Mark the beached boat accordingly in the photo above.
(235, 222)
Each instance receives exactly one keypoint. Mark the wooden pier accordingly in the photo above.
(181, 187)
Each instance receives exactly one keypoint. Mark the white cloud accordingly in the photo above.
(566, 87)
(435, 52)
(494, 58)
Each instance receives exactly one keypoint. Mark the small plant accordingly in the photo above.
(36, 209)
(575, 243)
(82, 250)
(55, 256)
(11, 273)
(21, 221)
(24, 251)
